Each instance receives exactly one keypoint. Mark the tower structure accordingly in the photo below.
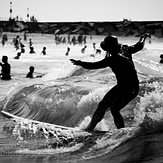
(10, 10)
(27, 14)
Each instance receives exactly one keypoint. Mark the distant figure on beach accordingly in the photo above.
(6, 69)
(73, 40)
(98, 51)
(25, 36)
(68, 39)
(83, 49)
(161, 58)
(44, 51)
(16, 42)
(1, 32)
(80, 39)
(18, 55)
(22, 48)
(68, 50)
(32, 50)
(94, 46)
(119, 59)
(30, 73)
(85, 39)
(4, 39)
(30, 43)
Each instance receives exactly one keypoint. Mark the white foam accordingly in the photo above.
(101, 126)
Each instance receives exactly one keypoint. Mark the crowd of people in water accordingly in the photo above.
(59, 39)
(20, 49)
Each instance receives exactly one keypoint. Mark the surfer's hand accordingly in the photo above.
(146, 35)
(75, 62)
(143, 37)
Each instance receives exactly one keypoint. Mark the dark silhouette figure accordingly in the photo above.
(161, 58)
(119, 59)
(98, 51)
(6, 68)
(30, 43)
(4, 39)
(1, 32)
(74, 41)
(30, 73)
(31, 50)
(18, 55)
(16, 42)
(25, 36)
(68, 50)
(22, 50)
(68, 39)
(85, 39)
(44, 51)
(83, 49)
(94, 46)
(80, 39)
(22, 47)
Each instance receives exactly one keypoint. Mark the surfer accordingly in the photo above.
(6, 68)
(119, 59)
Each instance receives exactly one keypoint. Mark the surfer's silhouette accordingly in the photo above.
(119, 59)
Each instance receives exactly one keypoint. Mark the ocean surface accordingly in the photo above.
(67, 95)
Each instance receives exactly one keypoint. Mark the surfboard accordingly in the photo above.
(14, 117)
(51, 126)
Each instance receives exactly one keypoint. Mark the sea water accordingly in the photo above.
(68, 95)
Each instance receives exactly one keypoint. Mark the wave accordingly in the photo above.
(63, 103)
(71, 101)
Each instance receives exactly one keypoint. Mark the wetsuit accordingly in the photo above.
(127, 86)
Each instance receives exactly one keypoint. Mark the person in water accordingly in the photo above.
(30, 73)
(18, 55)
(43, 51)
(119, 59)
(6, 69)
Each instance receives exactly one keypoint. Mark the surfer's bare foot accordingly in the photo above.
(89, 128)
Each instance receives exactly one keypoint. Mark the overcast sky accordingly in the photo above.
(84, 10)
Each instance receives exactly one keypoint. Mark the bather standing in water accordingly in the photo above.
(6, 68)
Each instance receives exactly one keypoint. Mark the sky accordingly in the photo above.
(84, 10)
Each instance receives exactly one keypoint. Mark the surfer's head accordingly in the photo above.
(110, 43)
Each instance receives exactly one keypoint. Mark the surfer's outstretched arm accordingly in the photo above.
(139, 45)
(91, 65)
